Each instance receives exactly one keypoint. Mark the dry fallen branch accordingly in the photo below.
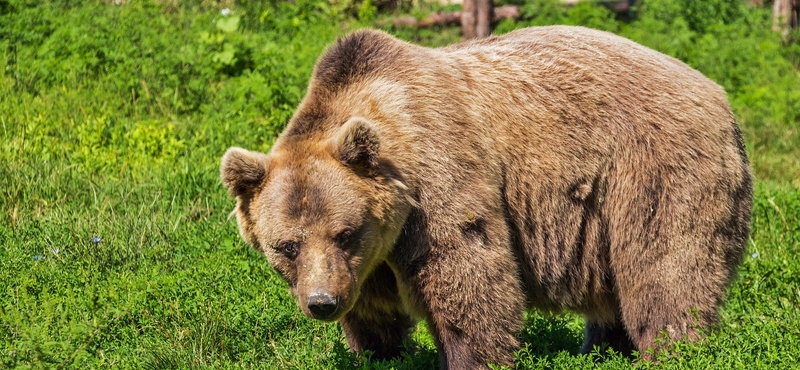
(500, 13)
(454, 18)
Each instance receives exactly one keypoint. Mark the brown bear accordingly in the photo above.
(551, 167)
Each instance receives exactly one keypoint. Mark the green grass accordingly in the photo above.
(112, 123)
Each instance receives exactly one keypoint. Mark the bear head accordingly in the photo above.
(324, 209)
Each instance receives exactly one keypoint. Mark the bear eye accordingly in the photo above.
(289, 248)
(343, 237)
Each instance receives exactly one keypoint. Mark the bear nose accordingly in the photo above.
(321, 305)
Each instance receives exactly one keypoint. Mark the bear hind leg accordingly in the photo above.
(656, 315)
(670, 268)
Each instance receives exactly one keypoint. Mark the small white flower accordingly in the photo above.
(754, 255)
(55, 250)
(226, 11)
(117, 2)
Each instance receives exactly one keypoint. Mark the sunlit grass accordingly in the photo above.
(116, 249)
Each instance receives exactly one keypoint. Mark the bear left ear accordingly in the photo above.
(357, 145)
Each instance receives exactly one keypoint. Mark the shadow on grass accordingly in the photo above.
(207, 340)
(542, 337)
(415, 357)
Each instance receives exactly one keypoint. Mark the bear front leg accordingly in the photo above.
(471, 292)
(475, 309)
(377, 322)
(604, 335)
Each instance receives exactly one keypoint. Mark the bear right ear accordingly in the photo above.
(242, 170)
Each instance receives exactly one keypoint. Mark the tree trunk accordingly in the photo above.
(476, 18)
(784, 15)
(469, 19)
(484, 21)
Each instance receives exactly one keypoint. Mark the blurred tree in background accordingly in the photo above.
(785, 15)
(476, 18)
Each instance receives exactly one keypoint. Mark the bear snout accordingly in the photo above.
(322, 305)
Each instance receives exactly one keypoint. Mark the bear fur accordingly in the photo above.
(558, 168)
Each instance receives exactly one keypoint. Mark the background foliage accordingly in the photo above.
(115, 245)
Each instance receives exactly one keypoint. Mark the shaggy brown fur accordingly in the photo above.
(553, 167)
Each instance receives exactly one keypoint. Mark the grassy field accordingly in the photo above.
(116, 249)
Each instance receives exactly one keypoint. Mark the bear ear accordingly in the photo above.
(242, 170)
(357, 145)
